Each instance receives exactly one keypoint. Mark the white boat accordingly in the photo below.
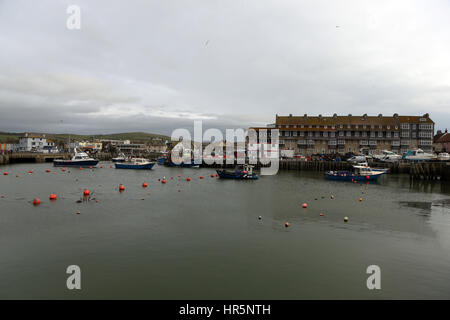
(418, 155)
(80, 159)
(444, 156)
(387, 156)
(120, 158)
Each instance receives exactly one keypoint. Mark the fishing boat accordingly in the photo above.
(135, 163)
(120, 158)
(80, 159)
(169, 163)
(359, 173)
(244, 173)
(418, 155)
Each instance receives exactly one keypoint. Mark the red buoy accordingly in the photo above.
(5, 173)
(367, 177)
(121, 188)
(145, 185)
(53, 196)
(36, 201)
(179, 175)
(321, 214)
(81, 168)
(212, 176)
(48, 170)
(304, 205)
(201, 177)
(163, 181)
(86, 192)
(90, 167)
(286, 224)
(188, 179)
(30, 172)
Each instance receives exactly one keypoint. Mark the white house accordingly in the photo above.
(31, 142)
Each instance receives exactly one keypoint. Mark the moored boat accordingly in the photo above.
(244, 173)
(135, 163)
(418, 155)
(80, 159)
(168, 162)
(359, 173)
(120, 158)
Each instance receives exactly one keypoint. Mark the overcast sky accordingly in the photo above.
(158, 65)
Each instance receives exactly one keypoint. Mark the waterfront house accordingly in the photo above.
(366, 134)
(442, 143)
(35, 143)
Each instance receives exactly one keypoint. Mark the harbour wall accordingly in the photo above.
(418, 171)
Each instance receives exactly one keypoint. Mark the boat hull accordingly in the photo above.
(237, 176)
(71, 163)
(147, 166)
(349, 176)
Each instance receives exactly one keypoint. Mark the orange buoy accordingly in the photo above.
(81, 168)
(36, 201)
(163, 181)
(30, 172)
(304, 206)
(48, 170)
(201, 177)
(86, 192)
(286, 224)
(121, 187)
(5, 173)
(360, 199)
(53, 196)
(145, 185)
(188, 179)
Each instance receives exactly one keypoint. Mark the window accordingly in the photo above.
(405, 125)
(380, 134)
(341, 133)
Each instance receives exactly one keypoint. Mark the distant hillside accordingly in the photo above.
(137, 137)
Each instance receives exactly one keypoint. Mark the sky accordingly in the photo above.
(155, 66)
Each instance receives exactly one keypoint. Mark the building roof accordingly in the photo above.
(350, 119)
(444, 138)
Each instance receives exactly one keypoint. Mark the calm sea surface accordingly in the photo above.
(203, 240)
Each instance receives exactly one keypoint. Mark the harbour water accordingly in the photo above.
(203, 240)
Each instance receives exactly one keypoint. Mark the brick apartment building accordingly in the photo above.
(308, 135)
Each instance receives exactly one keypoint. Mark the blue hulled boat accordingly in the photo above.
(244, 173)
(360, 173)
(80, 159)
(168, 162)
(136, 163)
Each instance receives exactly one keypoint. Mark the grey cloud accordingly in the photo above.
(158, 65)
